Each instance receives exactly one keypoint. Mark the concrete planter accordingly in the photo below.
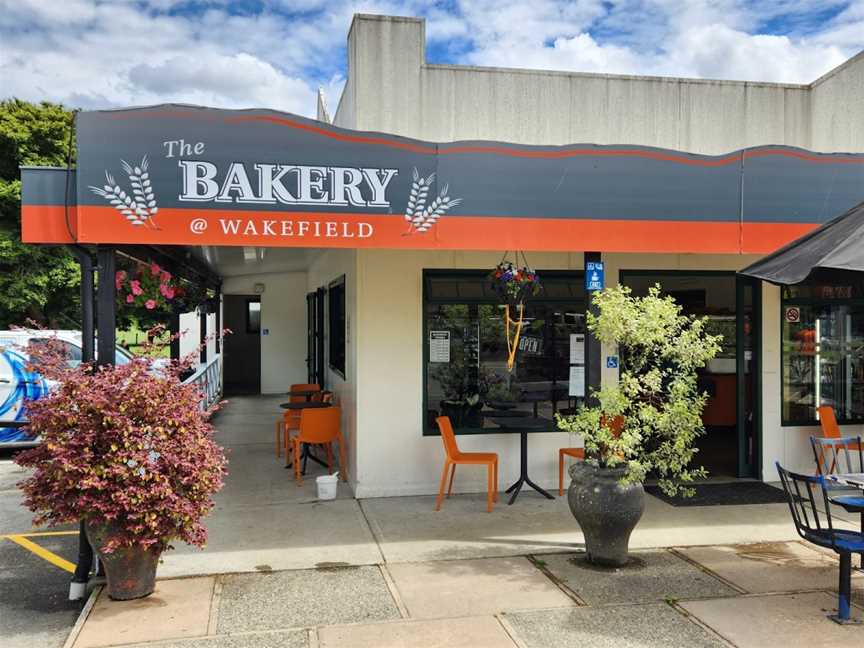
(606, 511)
(130, 572)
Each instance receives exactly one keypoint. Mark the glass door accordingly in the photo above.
(748, 360)
(315, 337)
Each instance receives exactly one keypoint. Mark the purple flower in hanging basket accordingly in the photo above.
(514, 284)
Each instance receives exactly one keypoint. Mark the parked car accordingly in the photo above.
(18, 385)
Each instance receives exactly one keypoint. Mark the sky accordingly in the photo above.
(276, 54)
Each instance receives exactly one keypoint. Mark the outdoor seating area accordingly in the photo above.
(839, 467)
(315, 421)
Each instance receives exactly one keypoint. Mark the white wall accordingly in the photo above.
(837, 115)
(283, 314)
(328, 266)
(391, 88)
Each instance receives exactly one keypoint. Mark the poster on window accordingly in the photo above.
(439, 346)
(577, 348)
(577, 381)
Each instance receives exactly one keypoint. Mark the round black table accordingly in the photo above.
(523, 426)
(306, 405)
(506, 414)
(303, 393)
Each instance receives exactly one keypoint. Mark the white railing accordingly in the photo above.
(208, 377)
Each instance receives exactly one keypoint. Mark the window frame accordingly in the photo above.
(577, 275)
(810, 302)
(334, 289)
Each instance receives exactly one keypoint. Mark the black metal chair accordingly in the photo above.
(836, 457)
(802, 493)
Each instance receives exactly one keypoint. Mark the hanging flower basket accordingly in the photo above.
(514, 285)
(147, 294)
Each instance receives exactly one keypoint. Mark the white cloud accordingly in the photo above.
(90, 53)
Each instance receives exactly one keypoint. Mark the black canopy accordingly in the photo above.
(836, 245)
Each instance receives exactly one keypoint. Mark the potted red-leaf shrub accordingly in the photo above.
(128, 449)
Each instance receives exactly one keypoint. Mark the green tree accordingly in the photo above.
(36, 282)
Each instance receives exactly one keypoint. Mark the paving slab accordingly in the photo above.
(650, 576)
(632, 626)
(771, 566)
(453, 588)
(788, 620)
(277, 537)
(304, 598)
(285, 639)
(466, 632)
(409, 530)
(179, 608)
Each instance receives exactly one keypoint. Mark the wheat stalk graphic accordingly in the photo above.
(138, 208)
(420, 216)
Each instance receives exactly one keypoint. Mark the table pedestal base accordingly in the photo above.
(523, 472)
(517, 486)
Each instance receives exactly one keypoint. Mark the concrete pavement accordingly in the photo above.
(664, 598)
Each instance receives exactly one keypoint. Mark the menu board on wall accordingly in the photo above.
(439, 346)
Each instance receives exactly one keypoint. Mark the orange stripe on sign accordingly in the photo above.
(102, 224)
(47, 224)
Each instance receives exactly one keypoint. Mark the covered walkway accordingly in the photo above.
(264, 522)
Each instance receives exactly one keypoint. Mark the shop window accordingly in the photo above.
(465, 352)
(823, 349)
(336, 321)
(253, 315)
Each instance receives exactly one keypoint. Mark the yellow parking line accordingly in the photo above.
(43, 553)
(39, 534)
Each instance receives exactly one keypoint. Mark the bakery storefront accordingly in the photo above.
(376, 250)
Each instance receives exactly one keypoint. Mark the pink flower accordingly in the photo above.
(155, 269)
(130, 298)
(165, 276)
(119, 278)
(150, 304)
(136, 287)
(166, 291)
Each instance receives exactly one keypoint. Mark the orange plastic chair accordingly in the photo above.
(320, 426)
(579, 453)
(576, 453)
(453, 456)
(830, 429)
(291, 418)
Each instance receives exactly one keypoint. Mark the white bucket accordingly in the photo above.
(327, 486)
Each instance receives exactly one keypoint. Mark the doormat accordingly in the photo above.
(728, 494)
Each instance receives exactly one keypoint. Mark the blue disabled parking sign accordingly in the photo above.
(594, 275)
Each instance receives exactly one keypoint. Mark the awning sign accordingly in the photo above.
(183, 175)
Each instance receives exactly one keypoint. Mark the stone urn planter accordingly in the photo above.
(129, 571)
(606, 511)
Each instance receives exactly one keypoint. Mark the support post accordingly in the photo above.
(217, 300)
(202, 328)
(592, 344)
(106, 314)
(84, 562)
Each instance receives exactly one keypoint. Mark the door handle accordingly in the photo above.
(5, 381)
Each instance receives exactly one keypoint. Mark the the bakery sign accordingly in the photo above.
(198, 176)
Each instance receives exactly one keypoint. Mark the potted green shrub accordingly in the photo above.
(128, 449)
(646, 423)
